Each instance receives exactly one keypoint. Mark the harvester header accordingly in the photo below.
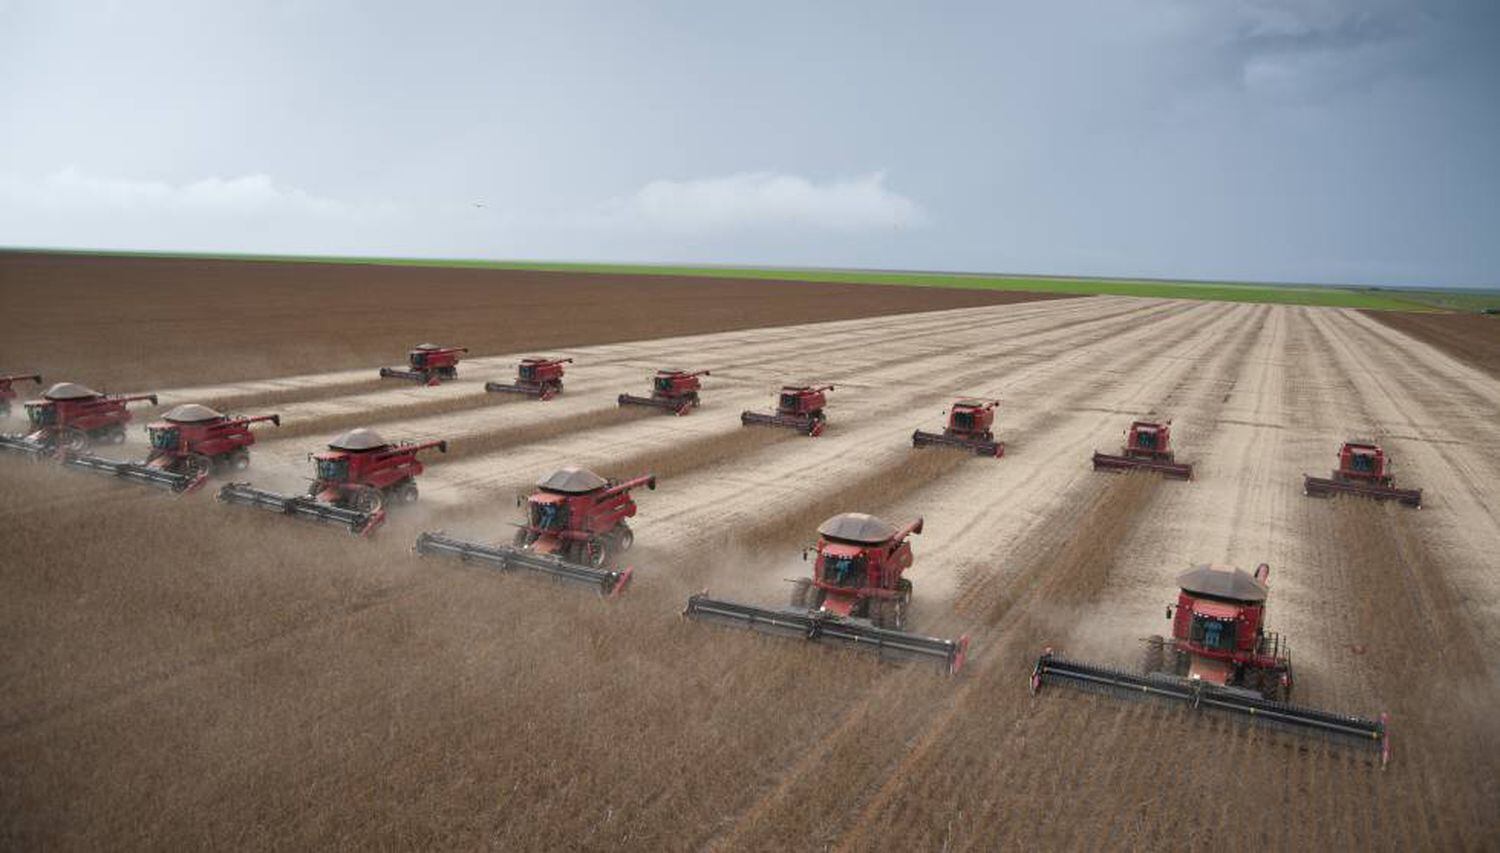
(1364, 470)
(535, 377)
(969, 428)
(428, 364)
(188, 445)
(1219, 657)
(798, 407)
(857, 595)
(575, 531)
(674, 390)
(1148, 447)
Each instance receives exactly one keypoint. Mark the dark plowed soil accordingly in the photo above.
(161, 322)
(1471, 338)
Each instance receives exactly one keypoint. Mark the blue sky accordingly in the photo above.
(1340, 141)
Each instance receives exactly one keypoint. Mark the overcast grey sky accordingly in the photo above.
(1327, 140)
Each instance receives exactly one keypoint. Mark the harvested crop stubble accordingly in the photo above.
(333, 423)
(262, 399)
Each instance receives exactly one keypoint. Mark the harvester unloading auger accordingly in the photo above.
(969, 428)
(856, 596)
(798, 407)
(357, 477)
(541, 378)
(1219, 657)
(1148, 447)
(189, 444)
(8, 393)
(71, 418)
(428, 364)
(1364, 470)
(673, 390)
(575, 531)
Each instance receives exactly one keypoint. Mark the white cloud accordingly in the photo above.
(765, 200)
(248, 194)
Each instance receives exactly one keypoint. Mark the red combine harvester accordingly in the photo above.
(575, 531)
(7, 393)
(429, 364)
(1220, 657)
(71, 418)
(357, 476)
(535, 377)
(188, 444)
(673, 390)
(1363, 470)
(800, 407)
(856, 596)
(1148, 447)
(968, 428)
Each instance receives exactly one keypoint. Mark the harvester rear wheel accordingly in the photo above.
(239, 460)
(406, 494)
(624, 538)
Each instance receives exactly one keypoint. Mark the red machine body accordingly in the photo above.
(8, 393)
(1148, 447)
(673, 390)
(429, 364)
(1219, 636)
(535, 377)
(1364, 470)
(188, 444)
(970, 423)
(798, 407)
(70, 418)
(860, 560)
(354, 480)
(580, 516)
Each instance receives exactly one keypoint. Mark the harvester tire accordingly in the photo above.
(115, 435)
(406, 494)
(880, 613)
(197, 465)
(522, 538)
(1153, 659)
(239, 460)
(365, 499)
(624, 538)
(801, 593)
(72, 440)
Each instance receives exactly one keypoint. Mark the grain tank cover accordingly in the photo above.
(69, 391)
(191, 413)
(1224, 582)
(358, 439)
(857, 527)
(572, 481)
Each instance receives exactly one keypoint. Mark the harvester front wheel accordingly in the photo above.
(197, 465)
(1153, 659)
(801, 593)
(366, 499)
(72, 440)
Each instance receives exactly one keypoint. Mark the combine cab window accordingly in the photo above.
(844, 571)
(1213, 633)
(1146, 440)
(963, 420)
(41, 415)
(789, 403)
(164, 439)
(418, 359)
(528, 372)
(333, 470)
(664, 383)
(549, 516)
(1362, 462)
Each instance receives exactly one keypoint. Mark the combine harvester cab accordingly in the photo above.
(799, 407)
(8, 393)
(428, 364)
(1220, 658)
(188, 445)
(1364, 470)
(856, 596)
(70, 418)
(674, 390)
(969, 428)
(357, 477)
(535, 377)
(575, 531)
(1148, 447)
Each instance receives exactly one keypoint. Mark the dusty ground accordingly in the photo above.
(140, 323)
(1474, 338)
(184, 673)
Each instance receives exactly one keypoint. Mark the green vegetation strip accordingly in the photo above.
(1327, 296)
